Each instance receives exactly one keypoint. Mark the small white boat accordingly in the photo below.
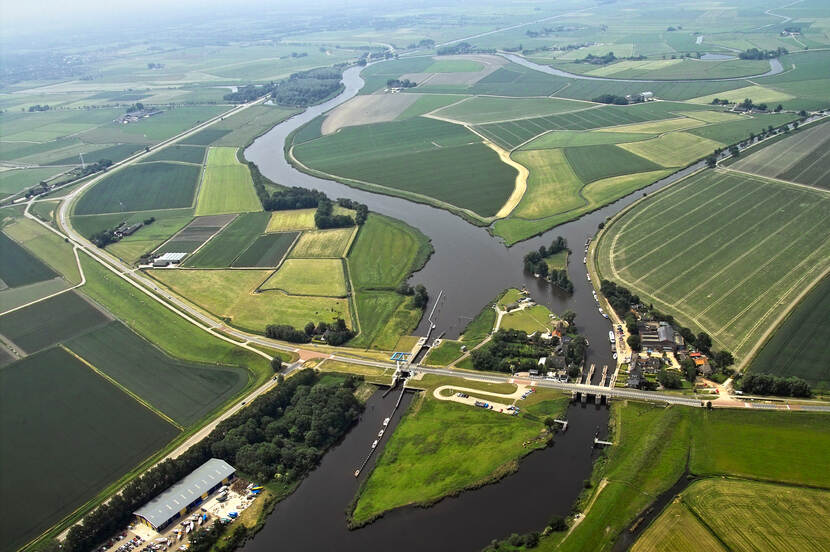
(380, 433)
(584, 260)
(386, 422)
(589, 277)
(615, 356)
(375, 444)
(356, 473)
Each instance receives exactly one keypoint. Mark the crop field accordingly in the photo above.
(98, 432)
(674, 149)
(229, 294)
(50, 125)
(754, 516)
(43, 324)
(148, 238)
(235, 237)
(680, 69)
(512, 134)
(802, 157)
(44, 245)
(384, 317)
(367, 109)
(759, 94)
(420, 156)
(141, 187)
(591, 163)
(247, 125)
(184, 391)
(734, 132)
(440, 447)
(660, 125)
(205, 137)
(266, 250)
(323, 243)
(677, 530)
(427, 103)
(726, 269)
(796, 348)
(114, 153)
(485, 109)
(192, 236)
(226, 185)
(575, 138)
(14, 181)
(385, 252)
(176, 152)
(19, 267)
(296, 219)
(155, 129)
(323, 277)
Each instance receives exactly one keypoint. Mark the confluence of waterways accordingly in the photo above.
(472, 268)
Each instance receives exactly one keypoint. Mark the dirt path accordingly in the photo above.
(520, 186)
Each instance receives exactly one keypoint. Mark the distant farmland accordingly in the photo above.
(740, 248)
(97, 432)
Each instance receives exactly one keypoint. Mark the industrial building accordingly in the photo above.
(175, 502)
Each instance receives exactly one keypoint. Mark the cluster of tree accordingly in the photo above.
(619, 297)
(514, 542)
(719, 101)
(419, 294)
(138, 106)
(152, 65)
(423, 43)
(547, 31)
(285, 431)
(463, 48)
(284, 332)
(299, 54)
(207, 539)
(308, 87)
(361, 209)
(669, 379)
(302, 198)
(792, 29)
(293, 198)
(755, 53)
(765, 384)
(107, 236)
(611, 99)
(512, 351)
(38, 107)
(397, 83)
(535, 263)
(336, 333)
(249, 92)
(598, 60)
(325, 217)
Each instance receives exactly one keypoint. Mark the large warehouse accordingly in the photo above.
(175, 502)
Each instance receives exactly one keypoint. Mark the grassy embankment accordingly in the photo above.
(474, 333)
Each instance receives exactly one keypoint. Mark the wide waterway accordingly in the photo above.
(471, 267)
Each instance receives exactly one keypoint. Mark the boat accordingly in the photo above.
(614, 356)
(380, 433)
(375, 444)
(356, 473)
(611, 337)
(589, 277)
(386, 422)
(584, 260)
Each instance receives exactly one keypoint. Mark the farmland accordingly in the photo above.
(226, 185)
(266, 250)
(20, 267)
(744, 515)
(229, 294)
(484, 109)
(44, 245)
(704, 283)
(322, 277)
(323, 243)
(103, 434)
(675, 149)
(141, 187)
(14, 181)
(222, 250)
(183, 154)
(184, 391)
(795, 349)
(296, 219)
(597, 162)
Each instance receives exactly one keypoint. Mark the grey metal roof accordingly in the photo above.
(665, 333)
(172, 257)
(166, 505)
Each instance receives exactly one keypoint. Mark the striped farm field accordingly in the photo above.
(674, 149)
(740, 251)
(803, 157)
(485, 109)
(323, 243)
(552, 186)
(226, 185)
(677, 530)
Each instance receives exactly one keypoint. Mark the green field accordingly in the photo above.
(552, 186)
(734, 132)
(46, 126)
(677, 530)
(591, 163)
(224, 248)
(384, 317)
(96, 431)
(115, 153)
(441, 447)
(323, 243)
(674, 149)
(184, 391)
(183, 154)
(148, 238)
(740, 248)
(141, 187)
(295, 219)
(228, 294)
(51, 321)
(266, 250)
(14, 181)
(573, 138)
(226, 185)
(429, 158)
(46, 246)
(155, 129)
(529, 320)
(796, 348)
(801, 157)
(245, 126)
(485, 109)
(448, 351)
(323, 277)
(19, 267)
(668, 69)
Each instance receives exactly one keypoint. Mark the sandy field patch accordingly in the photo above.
(363, 110)
(521, 181)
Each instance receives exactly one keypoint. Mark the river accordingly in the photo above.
(471, 267)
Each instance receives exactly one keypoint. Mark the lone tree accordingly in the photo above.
(634, 342)
(276, 364)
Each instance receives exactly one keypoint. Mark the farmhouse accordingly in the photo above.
(659, 337)
(175, 502)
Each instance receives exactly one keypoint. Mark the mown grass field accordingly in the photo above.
(440, 447)
(735, 131)
(575, 138)
(44, 245)
(297, 219)
(228, 294)
(230, 242)
(591, 163)
(384, 317)
(266, 250)
(18, 180)
(141, 187)
(678, 69)
(529, 320)
(675, 149)
(184, 391)
(323, 277)
(155, 129)
(741, 247)
(552, 186)
(97, 432)
(677, 530)
(797, 347)
(423, 156)
(485, 109)
(323, 243)
(19, 267)
(183, 154)
(51, 321)
(226, 185)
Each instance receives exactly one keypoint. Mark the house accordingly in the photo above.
(701, 363)
(647, 96)
(658, 337)
(635, 374)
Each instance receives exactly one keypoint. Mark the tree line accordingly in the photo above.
(755, 53)
(286, 199)
(284, 431)
(766, 384)
(335, 333)
(535, 263)
(301, 89)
